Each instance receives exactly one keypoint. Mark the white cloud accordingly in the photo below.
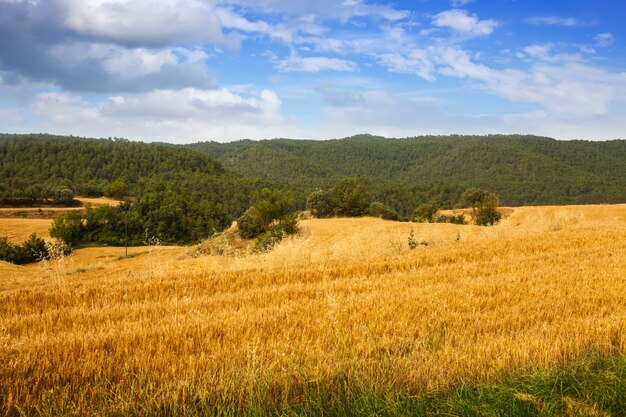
(604, 40)
(147, 22)
(384, 113)
(416, 61)
(552, 20)
(296, 63)
(562, 84)
(467, 25)
(343, 10)
(570, 88)
(171, 115)
(114, 59)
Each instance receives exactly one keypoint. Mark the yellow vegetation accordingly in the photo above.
(18, 230)
(345, 300)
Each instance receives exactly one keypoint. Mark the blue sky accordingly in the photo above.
(189, 70)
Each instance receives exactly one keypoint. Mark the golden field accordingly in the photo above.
(19, 223)
(345, 302)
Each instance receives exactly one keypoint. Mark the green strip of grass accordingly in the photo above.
(594, 387)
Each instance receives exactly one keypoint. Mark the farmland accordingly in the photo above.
(345, 306)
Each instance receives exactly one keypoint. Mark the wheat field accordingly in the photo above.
(345, 302)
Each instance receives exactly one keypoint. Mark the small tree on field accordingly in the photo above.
(484, 206)
(320, 203)
(250, 224)
(271, 212)
(426, 212)
(352, 196)
(383, 211)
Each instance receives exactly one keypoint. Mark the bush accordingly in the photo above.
(487, 216)
(320, 203)
(458, 218)
(383, 211)
(32, 250)
(250, 224)
(484, 206)
(351, 196)
(426, 212)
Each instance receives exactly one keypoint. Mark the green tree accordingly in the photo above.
(250, 224)
(117, 189)
(426, 212)
(352, 196)
(273, 205)
(383, 211)
(484, 206)
(320, 203)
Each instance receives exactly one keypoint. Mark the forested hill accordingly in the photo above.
(520, 169)
(88, 165)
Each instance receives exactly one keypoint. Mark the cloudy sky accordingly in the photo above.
(189, 70)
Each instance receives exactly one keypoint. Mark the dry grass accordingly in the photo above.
(347, 300)
(18, 230)
(98, 201)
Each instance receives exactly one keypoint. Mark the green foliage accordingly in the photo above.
(286, 226)
(320, 203)
(352, 196)
(116, 189)
(250, 224)
(383, 211)
(269, 213)
(411, 240)
(484, 206)
(426, 212)
(521, 169)
(457, 218)
(273, 205)
(34, 249)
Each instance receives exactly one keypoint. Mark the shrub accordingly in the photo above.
(426, 212)
(250, 224)
(320, 203)
(457, 218)
(32, 250)
(484, 206)
(351, 196)
(383, 211)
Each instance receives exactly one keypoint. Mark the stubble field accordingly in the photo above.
(343, 309)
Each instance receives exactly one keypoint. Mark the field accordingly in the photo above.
(19, 223)
(344, 312)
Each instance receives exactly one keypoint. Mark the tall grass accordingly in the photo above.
(341, 320)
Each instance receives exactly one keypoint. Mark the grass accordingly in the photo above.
(527, 318)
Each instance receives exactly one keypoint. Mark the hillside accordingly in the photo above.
(175, 194)
(88, 165)
(522, 170)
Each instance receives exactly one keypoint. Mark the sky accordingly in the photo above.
(184, 71)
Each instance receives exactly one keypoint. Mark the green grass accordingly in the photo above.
(596, 386)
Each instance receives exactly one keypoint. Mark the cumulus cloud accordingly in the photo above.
(464, 24)
(170, 115)
(146, 22)
(34, 44)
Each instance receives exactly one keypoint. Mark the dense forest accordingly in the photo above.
(173, 194)
(522, 170)
(181, 194)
